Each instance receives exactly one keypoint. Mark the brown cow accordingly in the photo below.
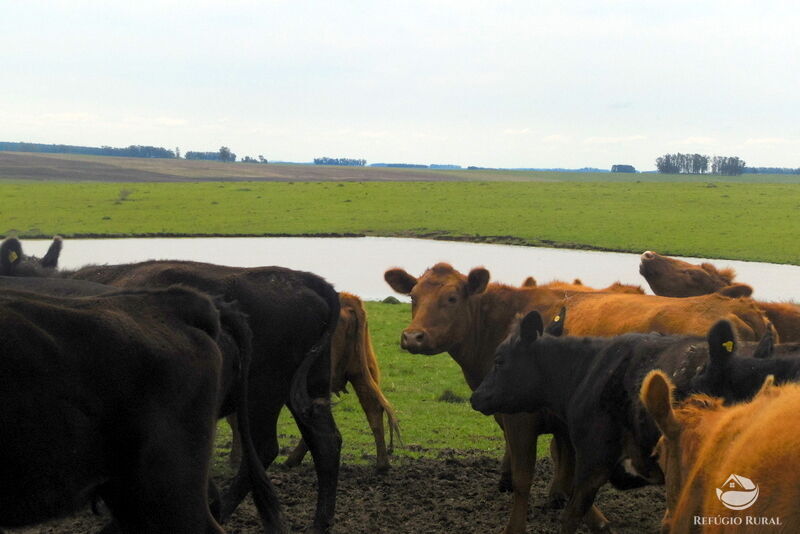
(670, 277)
(708, 449)
(577, 285)
(352, 360)
(468, 318)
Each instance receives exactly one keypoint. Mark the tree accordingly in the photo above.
(177, 152)
(225, 154)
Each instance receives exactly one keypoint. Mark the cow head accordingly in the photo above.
(14, 263)
(670, 277)
(714, 378)
(509, 387)
(440, 306)
(656, 395)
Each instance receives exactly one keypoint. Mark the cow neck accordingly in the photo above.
(565, 362)
(490, 315)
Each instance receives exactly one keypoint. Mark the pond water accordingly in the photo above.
(357, 264)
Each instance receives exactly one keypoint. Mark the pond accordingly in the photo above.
(357, 264)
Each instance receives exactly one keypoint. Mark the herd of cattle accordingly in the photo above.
(114, 377)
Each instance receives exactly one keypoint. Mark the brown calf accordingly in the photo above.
(577, 286)
(671, 277)
(708, 450)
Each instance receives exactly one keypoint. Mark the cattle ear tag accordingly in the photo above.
(12, 256)
(556, 318)
(728, 346)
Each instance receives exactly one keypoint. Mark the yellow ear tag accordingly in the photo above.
(728, 346)
(12, 256)
(556, 318)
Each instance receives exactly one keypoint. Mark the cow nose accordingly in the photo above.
(412, 339)
(648, 255)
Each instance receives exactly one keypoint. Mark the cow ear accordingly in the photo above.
(531, 327)
(656, 395)
(50, 259)
(477, 280)
(768, 387)
(10, 256)
(721, 343)
(529, 282)
(556, 327)
(400, 280)
(735, 291)
(766, 343)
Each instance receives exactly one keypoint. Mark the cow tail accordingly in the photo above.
(263, 492)
(299, 398)
(372, 374)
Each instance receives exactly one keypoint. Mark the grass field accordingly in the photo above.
(71, 167)
(723, 220)
(413, 383)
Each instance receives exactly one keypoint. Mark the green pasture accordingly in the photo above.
(723, 220)
(415, 385)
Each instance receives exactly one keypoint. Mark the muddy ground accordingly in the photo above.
(454, 494)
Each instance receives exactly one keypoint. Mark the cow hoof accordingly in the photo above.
(291, 462)
(318, 530)
(382, 469)
(505, 485)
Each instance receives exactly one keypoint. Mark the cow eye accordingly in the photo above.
(452, 299)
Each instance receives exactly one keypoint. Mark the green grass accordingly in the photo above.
(412, 383)
(723, 220)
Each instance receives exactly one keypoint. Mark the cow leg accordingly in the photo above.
(165, 489)
(235, 457)
(597, 450)
(563, 456)
(504, 485)
(560, 487)
(325, 443)
(264, 431)
(295, 457)
(374, 412)
(522, 431)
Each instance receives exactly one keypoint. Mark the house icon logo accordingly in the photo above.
(738, 493)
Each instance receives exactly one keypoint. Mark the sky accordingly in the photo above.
(495, 83)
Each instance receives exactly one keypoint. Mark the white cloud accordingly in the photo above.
(613, 140)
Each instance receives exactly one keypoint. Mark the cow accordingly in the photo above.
(468, 317)
(592, 385)
(706, 448)
(671, 277)
(578, 285)
(292, 315)
(111, 396)
(738, 378)
(352, 360)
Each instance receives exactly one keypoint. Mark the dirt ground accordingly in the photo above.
(456, 493)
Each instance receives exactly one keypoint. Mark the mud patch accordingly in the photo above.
(456, 493)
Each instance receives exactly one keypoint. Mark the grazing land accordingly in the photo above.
(73, 167)
(758, 222)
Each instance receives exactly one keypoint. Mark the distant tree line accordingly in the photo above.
(432, 166)
(248, 159)
(133, 151)
(699, 164)
(223, 154)
(770, 170)
(348, 162)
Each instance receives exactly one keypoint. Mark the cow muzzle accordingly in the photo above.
(416, 342)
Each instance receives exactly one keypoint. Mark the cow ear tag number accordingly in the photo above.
(728, 346)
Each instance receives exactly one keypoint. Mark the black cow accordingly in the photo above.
(739, 378)
(113, 396)
(592, 385)
(292, 315)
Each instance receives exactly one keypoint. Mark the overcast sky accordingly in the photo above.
(493, 83)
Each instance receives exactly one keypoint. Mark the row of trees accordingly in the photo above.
(699, 164)
(132, 151)
(348, 162)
